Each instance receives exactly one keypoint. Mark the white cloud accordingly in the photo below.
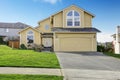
(49, 1)
(104, 37)
(52, 1)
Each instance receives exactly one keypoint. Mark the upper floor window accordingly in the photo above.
(47, 27)
(73, 18)
(30, 37)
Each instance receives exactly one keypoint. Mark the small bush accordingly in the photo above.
(22, 46)
(100, 48)
(37, 48)
(1, 41)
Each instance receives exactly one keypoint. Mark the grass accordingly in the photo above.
(28, 77)
(27, 58)
(112, 54)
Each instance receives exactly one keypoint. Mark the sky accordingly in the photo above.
(107, 13)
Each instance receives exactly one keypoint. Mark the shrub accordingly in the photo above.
(37, 48)
(2, 42)
(22, 46)
(100, 48)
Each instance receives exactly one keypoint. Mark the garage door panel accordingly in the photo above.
(75, 44)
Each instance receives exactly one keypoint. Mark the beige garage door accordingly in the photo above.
(75, 44)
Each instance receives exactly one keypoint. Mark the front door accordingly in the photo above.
(47, 42)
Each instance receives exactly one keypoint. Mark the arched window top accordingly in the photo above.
(30, 32)
(76, 13)
(70, 13)
(73, 18)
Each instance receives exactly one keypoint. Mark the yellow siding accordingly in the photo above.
(58, 20)
(23, 37)
(43, 24)
(87, 20)
(75, 42)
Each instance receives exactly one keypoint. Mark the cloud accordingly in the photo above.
(104, 37)
(49, 1)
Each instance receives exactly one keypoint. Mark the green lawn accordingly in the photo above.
(28, 77)
(27, 58)
(112, 54)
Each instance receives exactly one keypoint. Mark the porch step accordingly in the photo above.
(47, 49)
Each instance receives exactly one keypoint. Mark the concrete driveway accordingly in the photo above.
(89, 66)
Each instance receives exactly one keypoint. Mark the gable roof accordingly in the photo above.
(17, 25)
(28, 28)
(76, 7)
(67, 8)
(75, 30)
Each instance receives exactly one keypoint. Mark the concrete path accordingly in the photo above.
(84, 74)
(89, 66)
(41, 71)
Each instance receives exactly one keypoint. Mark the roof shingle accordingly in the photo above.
(75, 30)
(17, 25)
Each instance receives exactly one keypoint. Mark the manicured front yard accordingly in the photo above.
(29, 77)
(27, 58)
(112, 54)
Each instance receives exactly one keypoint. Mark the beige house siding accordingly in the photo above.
(58, 20)
(75, 42)
(87, 20)
(42, 25)
(23, 37)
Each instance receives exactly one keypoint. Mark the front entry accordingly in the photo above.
(47, 42)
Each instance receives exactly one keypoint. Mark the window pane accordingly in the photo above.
(76, 13)
(30, 32)
(70, 13)
(46, 27)
(69, 22)
(30, 38)
(77, 19)
(77, 23)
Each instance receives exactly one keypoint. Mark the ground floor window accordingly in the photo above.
(30, 37)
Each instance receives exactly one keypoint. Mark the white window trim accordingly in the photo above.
(29, 34)
(73, 17)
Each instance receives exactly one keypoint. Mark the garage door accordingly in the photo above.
(75, 44)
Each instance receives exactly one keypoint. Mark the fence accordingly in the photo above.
(14, 44)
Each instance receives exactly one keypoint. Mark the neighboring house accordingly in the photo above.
(11, 29)
(68, 30)
(116, 41)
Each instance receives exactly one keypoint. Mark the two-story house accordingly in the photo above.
(68, 30)
(11, 29)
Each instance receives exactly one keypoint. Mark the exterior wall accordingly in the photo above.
(87, 20)
(58, 20)
(43, 24)
(11, 32)
(23, 37)
(79, 40)
(117, 41)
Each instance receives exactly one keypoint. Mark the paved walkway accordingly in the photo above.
(84, 74)
(41, 71)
